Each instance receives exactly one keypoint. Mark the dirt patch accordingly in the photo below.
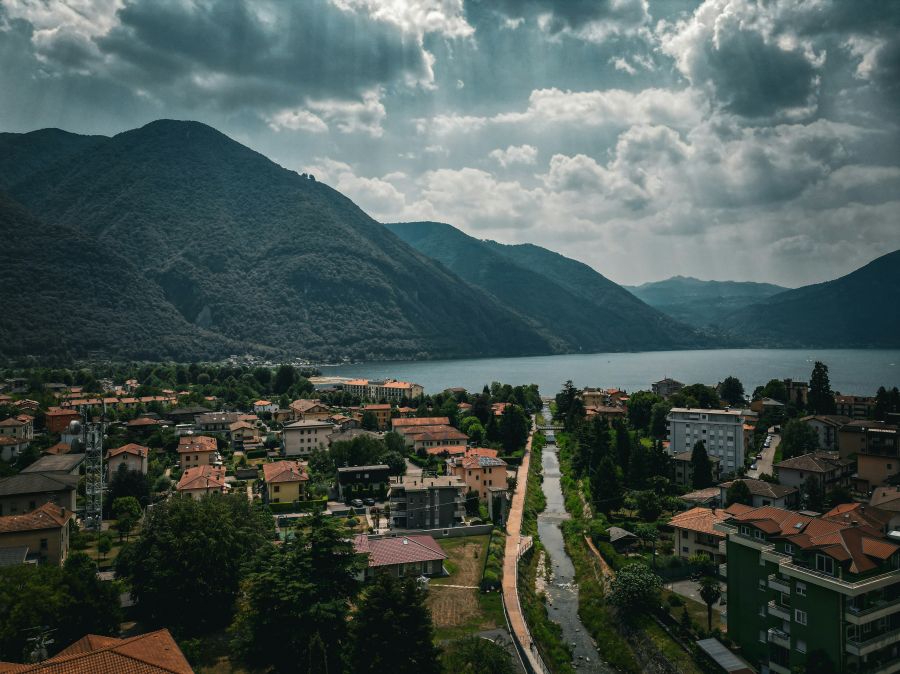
(453, 606)
(465, 560)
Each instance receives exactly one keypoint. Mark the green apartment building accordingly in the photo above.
(799, 585)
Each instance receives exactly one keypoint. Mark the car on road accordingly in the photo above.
(369, 501)
(753, 466)
(759, 457)
(356, 503)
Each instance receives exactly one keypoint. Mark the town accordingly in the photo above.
(708, 528)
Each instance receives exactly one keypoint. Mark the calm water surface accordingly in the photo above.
(853, 371)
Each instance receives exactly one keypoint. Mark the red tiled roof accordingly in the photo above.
(130, 448)
(447, 450)
(421, 421)
(143, 421)
(261, 403)
(59, 448)
(196, 443)
(284, 471)
(202, 477)
(703, 519)
(48, 516)
(151, 653)
(399, 550)
(379, 406)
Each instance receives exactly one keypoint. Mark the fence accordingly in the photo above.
(452, 532)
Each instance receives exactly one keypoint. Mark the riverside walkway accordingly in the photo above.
(514, 550)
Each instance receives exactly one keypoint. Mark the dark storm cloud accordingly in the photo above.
(283, 51)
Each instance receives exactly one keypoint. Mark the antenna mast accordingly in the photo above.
(94, 483)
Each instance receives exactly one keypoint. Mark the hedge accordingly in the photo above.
(256, 454)
(298, 506)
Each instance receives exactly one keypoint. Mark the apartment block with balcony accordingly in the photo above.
(799, 585)
(427, 502)
(876, 447)
(720, 430)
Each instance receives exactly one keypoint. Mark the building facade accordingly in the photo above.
(300, 438)
(427, 502)
(720, 430)
(876, 447)
(389, 390)
(799, 585)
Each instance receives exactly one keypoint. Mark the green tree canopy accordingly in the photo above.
(701, 467)
(640, 409)
(710, 593)
(606, 486)
(391, 630)
(514, 427)
(184, 568)
(738, 492)
(821, 397)
(798, 438)
(295, 601)
(635, 590)
(731, 390)
(127, 512)
(475, 655)
(126, 482)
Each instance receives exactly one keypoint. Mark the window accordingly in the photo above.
(684, 548)
(758, 534)
(762, 611)
(800, 616)
(277, 489)
(801, 589)
(788, 548)
(800, 646)
(825, 564)
(762, 636)
(43, 544)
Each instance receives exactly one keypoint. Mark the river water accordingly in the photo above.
(852, 371)
(562, 592)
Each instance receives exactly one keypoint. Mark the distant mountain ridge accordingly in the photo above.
(566, 300)
(702, 304)
(858, 310)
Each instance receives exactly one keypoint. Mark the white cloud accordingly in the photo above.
(297, 120)
(515, 154)
(363, 116)
(445, 17)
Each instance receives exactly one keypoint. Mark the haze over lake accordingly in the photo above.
(852, 371)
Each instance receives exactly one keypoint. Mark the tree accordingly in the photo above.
(774, 389)
(606, 487)
(738, 492)
(820, 397)
(658, 420)
(472, 427)
(731, 390)
(638, 465)
(476, 655)
(813, 494)
(648, 505)
(634, 590)
(104, 544)
(294, 603)
(696, 395)
(623, 445)
(369, 421)
(127, 512)
(701, 467)
(285, 377)
(836, 497)
(710, 593)
(126, 482)
(798, 438)
(640, 409)
(392, 631)
(184, 568)
(395, 462)
(514, 427)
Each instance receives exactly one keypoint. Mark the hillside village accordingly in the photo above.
(784, 499)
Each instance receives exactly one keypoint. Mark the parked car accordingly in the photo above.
(356, 503)
(759, 457)
(753, 466)
(369, 501)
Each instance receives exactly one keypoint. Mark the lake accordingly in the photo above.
(852, 371)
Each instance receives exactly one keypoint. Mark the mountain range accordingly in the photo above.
(173, 241)
(702, 304)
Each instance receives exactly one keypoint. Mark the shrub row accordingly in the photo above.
(492, 574)
(298, 506)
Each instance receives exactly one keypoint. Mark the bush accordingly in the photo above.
(256, 454)
(675, 600)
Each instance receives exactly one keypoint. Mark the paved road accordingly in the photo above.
(764, 465)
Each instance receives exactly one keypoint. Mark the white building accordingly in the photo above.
(720, 430)
(302, 437)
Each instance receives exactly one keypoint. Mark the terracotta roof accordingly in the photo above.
(12, 422)
(151, 653)
(130, 448)
(420, 421)
(399, 550)
(379, 406)
(763, 488)
(262, 403)
(143, 421)
(814, 462)
(446, 450)
(48, 516)
(284, 471)
(196, 443)
(448, 433)
(859, 512)
(703, 519)
(237, 425)
(59, 448)
(202, 477)
(59, 412)
(472, 462)
(887, 498)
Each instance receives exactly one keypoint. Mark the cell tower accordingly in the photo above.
(94, 483)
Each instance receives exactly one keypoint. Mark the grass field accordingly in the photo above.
(460, 611)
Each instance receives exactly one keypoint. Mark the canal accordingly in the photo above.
(562, 590)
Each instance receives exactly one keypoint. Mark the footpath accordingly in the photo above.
(514, 549)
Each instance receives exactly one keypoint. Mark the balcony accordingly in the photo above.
(884, 667)
(779, 611)
(772, 555)
(877, 610)
(723, 570)
(779, 584)
(779, 637)
(859, 647)
(851, 588)
(778, 669)
(723, 550)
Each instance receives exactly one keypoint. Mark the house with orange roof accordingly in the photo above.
(800, 584)
(151, 653)
(389, 390)
(382, 412)
(409, 555)
(284, 482)
(406, 422)
(423, 437)
(132, 456)
(11, 447)
(480, 473)
(44, 531)
(243, 433)
(198, 450)
(695, 531)
(199, 481)
(309, 410)
(264, 406)
(20, 427)
(57, 419)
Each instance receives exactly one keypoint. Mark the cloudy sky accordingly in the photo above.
(725, 139)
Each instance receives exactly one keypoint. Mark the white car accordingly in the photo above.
(753, 466)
